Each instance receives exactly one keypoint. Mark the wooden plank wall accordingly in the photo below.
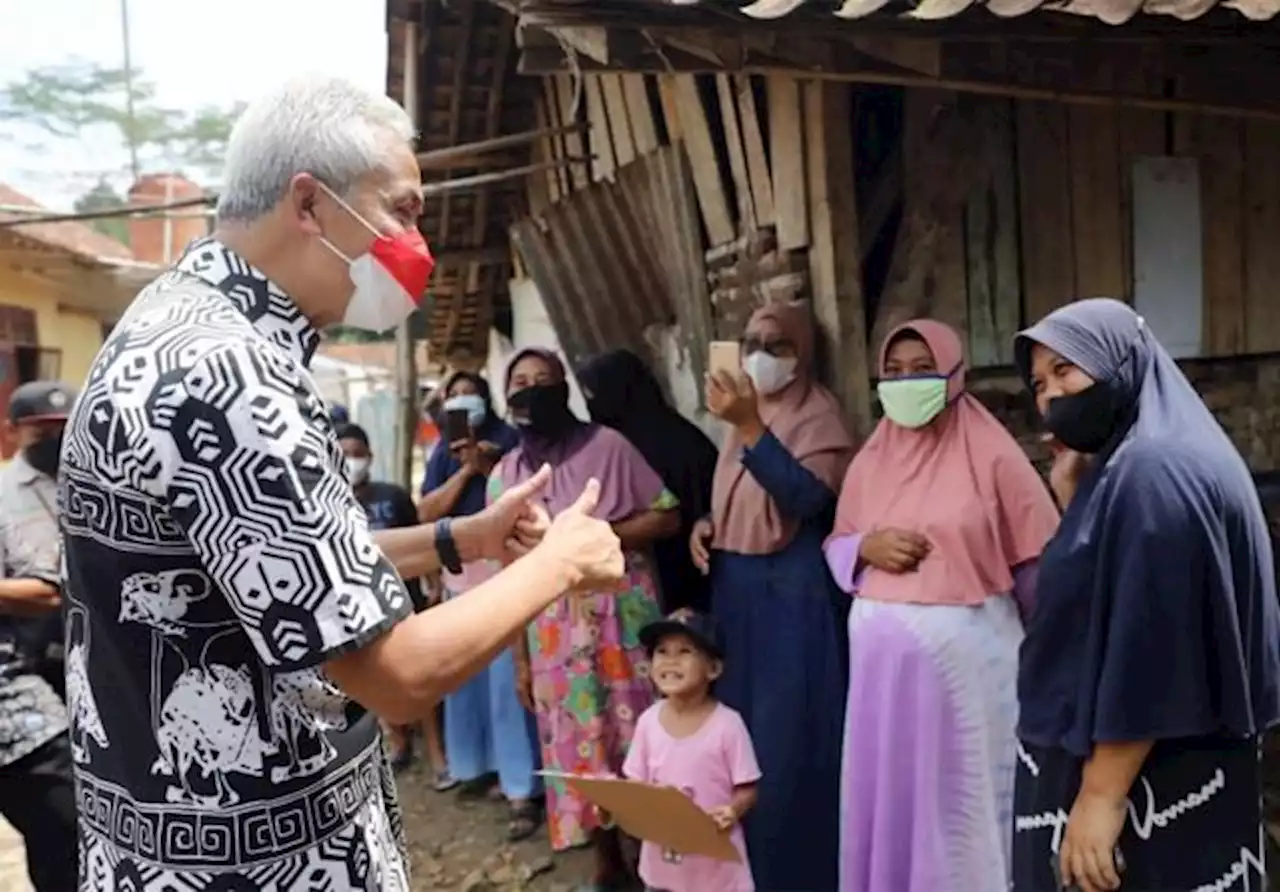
(1074, 190)
(1046, 217)
(771, 164)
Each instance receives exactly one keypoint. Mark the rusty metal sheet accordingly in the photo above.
(1112, 12)
(619, 256)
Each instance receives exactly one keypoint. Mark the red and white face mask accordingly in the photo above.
(390, 278)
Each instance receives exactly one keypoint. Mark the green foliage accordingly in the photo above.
(341, 334)
(65, 100)
(103, 197)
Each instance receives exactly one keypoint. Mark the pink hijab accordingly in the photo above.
(808, 421)
(962, 481)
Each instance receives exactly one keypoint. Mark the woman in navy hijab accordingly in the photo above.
(1152, 656)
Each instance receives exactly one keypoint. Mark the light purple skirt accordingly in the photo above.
(929, 747)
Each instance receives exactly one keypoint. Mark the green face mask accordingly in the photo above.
(913, 402)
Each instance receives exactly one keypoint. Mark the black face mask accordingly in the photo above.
(43, 454)
(1084, 421)
(543, 409)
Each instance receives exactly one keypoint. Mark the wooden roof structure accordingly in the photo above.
(1113, 12)
(453, 65)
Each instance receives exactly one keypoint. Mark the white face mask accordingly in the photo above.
(473, 404)
(389, 278)
(769, 373)
(357, 470)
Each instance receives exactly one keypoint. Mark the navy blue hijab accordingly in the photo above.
(1156, 614)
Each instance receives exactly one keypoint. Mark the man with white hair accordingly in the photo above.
(230, 617)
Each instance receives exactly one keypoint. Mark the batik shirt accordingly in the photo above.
(31, 713)
(215, 560)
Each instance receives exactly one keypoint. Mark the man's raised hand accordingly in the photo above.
(586, 548)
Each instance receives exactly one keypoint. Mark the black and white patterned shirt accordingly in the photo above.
(215, 560)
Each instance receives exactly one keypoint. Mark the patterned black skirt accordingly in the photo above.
(1195, 818)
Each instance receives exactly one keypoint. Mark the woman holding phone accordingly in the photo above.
(773, 500)
(486, 730)
(1151, 664)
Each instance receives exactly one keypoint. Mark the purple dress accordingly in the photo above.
(926, 801)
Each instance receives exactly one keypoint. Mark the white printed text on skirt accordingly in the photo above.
(1194, 825)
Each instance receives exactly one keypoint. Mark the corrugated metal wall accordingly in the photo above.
(619, 256)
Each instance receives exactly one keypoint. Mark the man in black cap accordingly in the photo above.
(36, 787)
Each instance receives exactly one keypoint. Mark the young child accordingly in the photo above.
(689, 741)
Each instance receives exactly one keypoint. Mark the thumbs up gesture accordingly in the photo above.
(586, 547)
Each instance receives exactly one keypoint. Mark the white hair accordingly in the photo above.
(321, 125)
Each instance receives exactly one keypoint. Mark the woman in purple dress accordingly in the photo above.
(581, 666)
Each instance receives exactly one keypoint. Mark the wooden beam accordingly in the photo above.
(492, 124)
(923, 56)
(571, 112)
(664, 19)
(737, 158)
(856, 67)
(455, 156)
(835, 270)
(786, 157)
(444, 187)
(599, 134)
(406, 374)
(640, 113)
(546, 193)
(461, 62)
(696, 135)
(670, 111)
(615, 104)
(753, 148)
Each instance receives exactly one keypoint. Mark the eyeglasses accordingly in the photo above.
(772, 347)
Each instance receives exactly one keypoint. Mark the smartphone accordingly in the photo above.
(1074, 887)
(457, 426)
(725, 356)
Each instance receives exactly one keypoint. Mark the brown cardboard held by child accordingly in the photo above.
(661, 815)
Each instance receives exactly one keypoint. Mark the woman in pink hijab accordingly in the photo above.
(773, 500)
(940, 522)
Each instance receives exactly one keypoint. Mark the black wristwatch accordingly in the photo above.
(446, 547)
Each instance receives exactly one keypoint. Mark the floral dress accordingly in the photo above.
(590, 685)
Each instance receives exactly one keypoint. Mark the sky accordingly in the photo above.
(210, 53)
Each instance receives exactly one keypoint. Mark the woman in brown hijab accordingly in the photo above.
(773, 503)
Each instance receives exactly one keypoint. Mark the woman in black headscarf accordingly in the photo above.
(1151, 663)
(622, 393)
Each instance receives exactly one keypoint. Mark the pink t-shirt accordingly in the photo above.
(706, 765)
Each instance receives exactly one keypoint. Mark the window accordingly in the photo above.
(21, 360)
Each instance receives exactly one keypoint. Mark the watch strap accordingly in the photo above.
(446, 546)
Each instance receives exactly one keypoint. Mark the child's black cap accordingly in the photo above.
(701, 628)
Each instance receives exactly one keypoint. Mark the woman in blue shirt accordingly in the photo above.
(486, 730)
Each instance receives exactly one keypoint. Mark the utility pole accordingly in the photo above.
(128, 90)
(407, 409)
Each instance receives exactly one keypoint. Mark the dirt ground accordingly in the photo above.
(459, 847)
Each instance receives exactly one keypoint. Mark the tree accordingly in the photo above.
(65, 101)
(103, 197)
